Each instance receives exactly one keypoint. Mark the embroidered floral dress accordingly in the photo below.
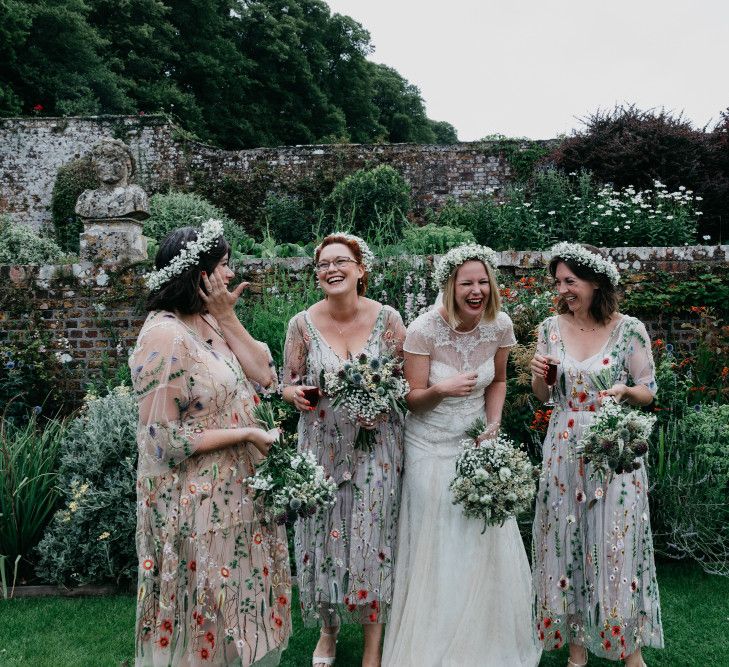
(594, 572)
(462, 596)
(344, 558)
(214, 582)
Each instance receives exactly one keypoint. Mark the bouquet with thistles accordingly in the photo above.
(494, 478)
(368, 387)
(616, 440)
(293, 485)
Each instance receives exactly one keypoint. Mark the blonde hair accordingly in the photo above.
(493, 305)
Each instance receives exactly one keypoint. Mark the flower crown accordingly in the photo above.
(457, 256)
(581, 255)
(188, 256)
(368, 257)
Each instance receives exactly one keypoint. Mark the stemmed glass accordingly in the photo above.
(311, 391)
(551, 379)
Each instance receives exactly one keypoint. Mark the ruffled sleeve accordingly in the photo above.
(639, 358)
(161, 367)
(416, 339)
(395, 332)
(295, 351)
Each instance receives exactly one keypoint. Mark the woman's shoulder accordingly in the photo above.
(159, 321)
(632, 325)
(425, 320)
(502, 320)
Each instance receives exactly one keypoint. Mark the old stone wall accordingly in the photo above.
(32, 150)
(100, 309)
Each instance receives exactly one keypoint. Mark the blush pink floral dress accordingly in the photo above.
(214, 581)
(345, 557)
(594, 572)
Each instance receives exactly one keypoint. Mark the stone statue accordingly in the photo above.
(113, 214)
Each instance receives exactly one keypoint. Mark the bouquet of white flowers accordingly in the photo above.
(368, 388)
(494, 479)
(616, 440)
(292, 483)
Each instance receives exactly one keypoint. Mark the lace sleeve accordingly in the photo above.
(295, 351)
(506, 331)
(161, 367)
(641, 369)
(394, 334)
(416, 341)
(542, 335)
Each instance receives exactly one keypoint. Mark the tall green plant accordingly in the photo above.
(28, 494)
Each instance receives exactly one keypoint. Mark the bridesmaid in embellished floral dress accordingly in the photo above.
(593, 565)
(344, 558)
(214, 580)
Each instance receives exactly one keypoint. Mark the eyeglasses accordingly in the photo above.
(339, 263)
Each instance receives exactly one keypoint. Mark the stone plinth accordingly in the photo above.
(113, 241)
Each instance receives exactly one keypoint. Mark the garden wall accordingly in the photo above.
(32, 150)
(99, 309)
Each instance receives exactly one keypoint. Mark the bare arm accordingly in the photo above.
(220, 303)
(220, 438)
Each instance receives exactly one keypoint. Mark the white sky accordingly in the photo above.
(532, 68)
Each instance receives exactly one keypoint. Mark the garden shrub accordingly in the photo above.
(366, 197)
(72, 179)
(287, 219)
(33, 367)
(432, 239)
(632, 148)
(181, 209)
(28, 458)
(19, 244)
(91, 538)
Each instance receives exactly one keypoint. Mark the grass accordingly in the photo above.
(96, 632)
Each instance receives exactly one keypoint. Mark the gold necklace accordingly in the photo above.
(217, 330)
(346, 326)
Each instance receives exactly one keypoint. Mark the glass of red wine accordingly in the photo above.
(551, 379)
(311, 391)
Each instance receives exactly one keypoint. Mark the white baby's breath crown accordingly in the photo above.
(188, 256)
(463, 253)
(368, 257)
(581, 255)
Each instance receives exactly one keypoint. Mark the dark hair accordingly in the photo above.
(181, 292)
(605, 298)
(356, 252)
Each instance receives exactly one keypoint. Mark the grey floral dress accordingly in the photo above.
(345, 558)
(593, 565)
(214, 581)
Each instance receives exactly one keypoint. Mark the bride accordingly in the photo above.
(461, 597)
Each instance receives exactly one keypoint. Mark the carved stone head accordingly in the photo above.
(113, 162)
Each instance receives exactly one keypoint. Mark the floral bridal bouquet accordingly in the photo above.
(368, 387)
(616, 440)
(292, 484)
(494, 479)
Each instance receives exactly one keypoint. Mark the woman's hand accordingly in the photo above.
(618, 391)
(458, 385)
(490, 432)
(371, 424)
(219, 300)
(539, 364)
(299, 400)
(260, 439)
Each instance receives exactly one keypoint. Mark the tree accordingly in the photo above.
(15, 22)
(444, 132)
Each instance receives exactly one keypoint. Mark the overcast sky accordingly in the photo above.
(533, 67)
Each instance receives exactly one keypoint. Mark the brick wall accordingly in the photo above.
(99, 309)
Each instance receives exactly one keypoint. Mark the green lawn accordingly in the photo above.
(96, 632)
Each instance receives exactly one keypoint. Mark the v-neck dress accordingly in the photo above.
(345, 557)
(592, 561)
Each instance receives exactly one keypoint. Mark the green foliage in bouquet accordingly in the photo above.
(291, 484)
(91, 538)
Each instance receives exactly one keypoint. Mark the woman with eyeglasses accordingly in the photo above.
(344, 557)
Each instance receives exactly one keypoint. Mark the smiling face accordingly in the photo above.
(342, 273)
(576, 292)
(471, 291)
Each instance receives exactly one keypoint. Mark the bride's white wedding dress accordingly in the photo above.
(461, 598)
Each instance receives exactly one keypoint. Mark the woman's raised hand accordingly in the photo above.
(219, 300)
(539, 363)
(300, 402)
(458, 385)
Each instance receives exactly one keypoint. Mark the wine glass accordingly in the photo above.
(551, 380)
(311, 391)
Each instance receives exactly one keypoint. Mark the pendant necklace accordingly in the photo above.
(209, 341)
